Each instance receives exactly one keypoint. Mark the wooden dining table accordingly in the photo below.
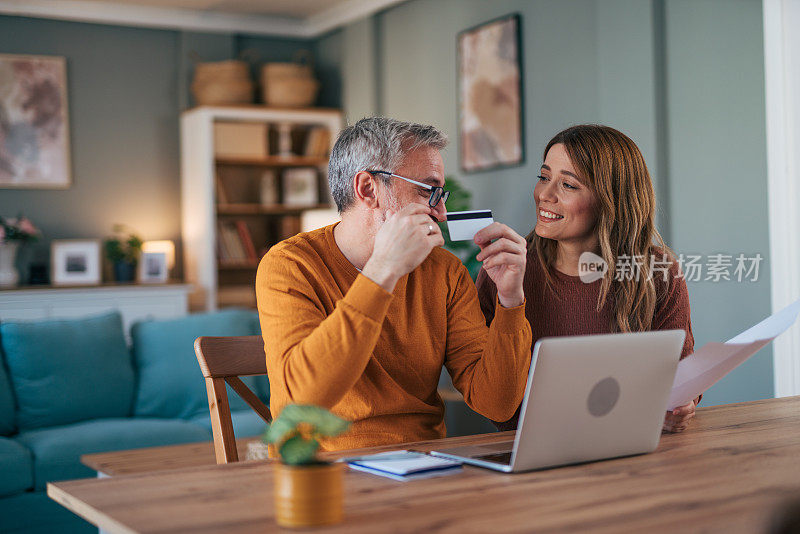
(736, 469)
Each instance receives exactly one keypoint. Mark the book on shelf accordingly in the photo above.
(247, 240)
(222, 195)
(232, 247)
(222, 245)
(317, 142)
(236, 242)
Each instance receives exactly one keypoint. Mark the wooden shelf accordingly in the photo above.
(275, 161)
(221, 196)
(235, 265)
(237, 296)
(258, 209)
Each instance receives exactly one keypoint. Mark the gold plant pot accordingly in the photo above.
(308, 495)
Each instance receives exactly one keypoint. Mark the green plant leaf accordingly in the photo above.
(299, 451)
(123, 248)
(114, 250)
(321, 421)
(460, 199)
(279, 430)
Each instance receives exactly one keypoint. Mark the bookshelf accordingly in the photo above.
(248, 173)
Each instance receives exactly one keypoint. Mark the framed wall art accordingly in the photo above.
(34, 124)
(490, 125)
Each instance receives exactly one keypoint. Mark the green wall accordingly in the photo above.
(683, 78)
(718, 165)
(126, 89)
(123, 107)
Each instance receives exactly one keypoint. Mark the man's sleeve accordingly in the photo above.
(487, 295)
(489, 366)
(316, 358)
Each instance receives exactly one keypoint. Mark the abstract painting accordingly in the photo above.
(490, 95)
(34, 127)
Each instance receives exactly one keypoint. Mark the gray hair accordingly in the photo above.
(375, 143)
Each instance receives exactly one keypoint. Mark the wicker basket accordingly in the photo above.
(222, 82)
(290, 92)
(290, 85)
(231, 69)
(217, 92)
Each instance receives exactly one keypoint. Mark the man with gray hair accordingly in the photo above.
(360, 316)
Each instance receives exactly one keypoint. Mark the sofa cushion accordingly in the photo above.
(16, 466)
(33, 512)
(57, 450)
(262, 382)
(261, 388)
(7, 424)
(68, 370)
(246, 423)
(170, 381)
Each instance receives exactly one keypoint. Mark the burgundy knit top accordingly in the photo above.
(573, 312)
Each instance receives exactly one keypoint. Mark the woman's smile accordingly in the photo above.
(547, 216)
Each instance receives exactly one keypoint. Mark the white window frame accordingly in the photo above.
(782, 84)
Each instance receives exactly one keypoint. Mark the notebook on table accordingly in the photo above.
(404, 465)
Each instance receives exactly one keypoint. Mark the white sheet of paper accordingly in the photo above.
(713, 361)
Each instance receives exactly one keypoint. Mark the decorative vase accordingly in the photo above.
(308, 495)
(124, 271)
(9, 277)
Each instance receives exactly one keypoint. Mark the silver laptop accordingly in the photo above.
(588, 398)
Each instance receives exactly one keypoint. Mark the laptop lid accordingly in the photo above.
(595, 397)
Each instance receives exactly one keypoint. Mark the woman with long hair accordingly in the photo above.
(595, 205)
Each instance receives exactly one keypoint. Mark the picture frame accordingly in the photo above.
(34, 135)
(75, 262)
(300, 186)
(491, 128)
(153, 268)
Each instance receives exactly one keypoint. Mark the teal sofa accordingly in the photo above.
(75, 387)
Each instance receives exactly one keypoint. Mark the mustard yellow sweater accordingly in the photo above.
(336, 339)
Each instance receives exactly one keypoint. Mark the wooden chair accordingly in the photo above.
(225, 359)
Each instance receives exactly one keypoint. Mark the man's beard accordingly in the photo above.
(392, 203)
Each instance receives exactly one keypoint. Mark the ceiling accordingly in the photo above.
(289, 18)
(281, 8)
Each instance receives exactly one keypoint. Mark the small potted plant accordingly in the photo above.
(13, 232)
(308, 491)
(123, 251)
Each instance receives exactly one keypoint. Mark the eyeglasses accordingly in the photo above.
(437, 193)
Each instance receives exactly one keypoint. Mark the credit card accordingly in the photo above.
(463, 225)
